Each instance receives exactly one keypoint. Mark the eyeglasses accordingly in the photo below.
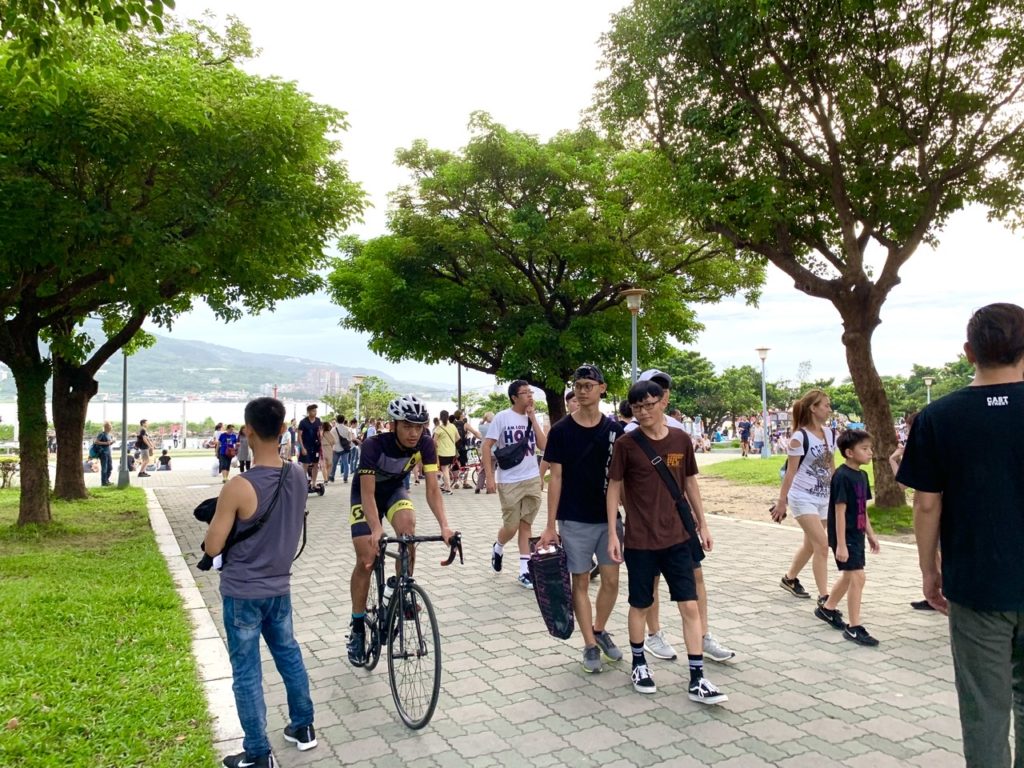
(524, 392)
(581, 387)
(641, 407)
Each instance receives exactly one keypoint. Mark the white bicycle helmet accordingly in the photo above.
(408, 408)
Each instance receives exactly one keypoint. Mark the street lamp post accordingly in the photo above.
(357, 381)
(762, 352)
(634, 298)
(928, 381)
(123, 476)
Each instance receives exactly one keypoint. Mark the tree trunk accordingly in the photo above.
(859, 327)
(30, 379)
(72, 391)
(556, 404)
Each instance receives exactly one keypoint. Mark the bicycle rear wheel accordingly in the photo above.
(414, 656)
(372, 622)
(476, 477)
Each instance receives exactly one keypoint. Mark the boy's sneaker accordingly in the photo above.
(859, 635)
(242, 760)
(524, 581)
(642, 680)
(357, 649)
(704, 692)
(303, 737)
(715, 651)
(496, 560)
(795, 587)
(592, 659)
(835, 618)
(658, 646)
(607, 645)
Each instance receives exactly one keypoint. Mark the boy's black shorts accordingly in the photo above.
(855, 546)
(675, 564)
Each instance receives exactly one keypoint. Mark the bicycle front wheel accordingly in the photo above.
(373, 608)
(476, 477)
(414, 656)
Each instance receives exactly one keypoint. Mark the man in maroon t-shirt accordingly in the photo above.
(657, 538)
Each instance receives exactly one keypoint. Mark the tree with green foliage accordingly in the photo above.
(135, 197)
(510, 257)
(34, 29)
(829, 139)
(374, 396)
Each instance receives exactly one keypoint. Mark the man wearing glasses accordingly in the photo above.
(655, 641)
(579, 451)
(657, 536)
(519, 487)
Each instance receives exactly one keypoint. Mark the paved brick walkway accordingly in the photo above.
(799, 695)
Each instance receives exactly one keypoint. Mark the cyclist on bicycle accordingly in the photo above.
(386, 460)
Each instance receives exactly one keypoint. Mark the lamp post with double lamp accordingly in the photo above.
(634, 298)
(766, 431)
(357, 382)
(928, 381)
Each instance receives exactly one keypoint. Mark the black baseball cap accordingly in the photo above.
(588, 371)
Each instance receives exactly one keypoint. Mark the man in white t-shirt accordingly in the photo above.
(343, 438)
(519, 487)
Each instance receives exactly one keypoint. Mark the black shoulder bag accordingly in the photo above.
(685, 513)
(512, 455)
(205, 511)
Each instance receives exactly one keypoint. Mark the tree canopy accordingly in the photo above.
(166, 175)
(510, 257)
(374, 396)
(829, 139)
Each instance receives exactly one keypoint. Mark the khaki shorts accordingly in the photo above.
(520, 502)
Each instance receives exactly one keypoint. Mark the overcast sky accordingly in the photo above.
(405, 70)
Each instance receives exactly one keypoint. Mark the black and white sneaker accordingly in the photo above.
(859, 635)
(835, 617)
(704, 692)
(642, 680)
(356, 648)
(794, 586)
(242, 760)
(303, 737)
(496, 560)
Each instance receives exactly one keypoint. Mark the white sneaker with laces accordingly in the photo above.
(658, 646)
(642, 680)
(715, 651)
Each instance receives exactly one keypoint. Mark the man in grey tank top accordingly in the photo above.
(255, 584)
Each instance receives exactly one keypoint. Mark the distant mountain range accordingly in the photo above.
(173, 369)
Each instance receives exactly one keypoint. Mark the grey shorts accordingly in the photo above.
(581, 541)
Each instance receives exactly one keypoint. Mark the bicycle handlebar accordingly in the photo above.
(455, 543)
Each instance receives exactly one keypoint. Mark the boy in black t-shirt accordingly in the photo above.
(848, 525)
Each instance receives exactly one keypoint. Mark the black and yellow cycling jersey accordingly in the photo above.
(390, 463)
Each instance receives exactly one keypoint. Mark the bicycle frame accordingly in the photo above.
(408, 628)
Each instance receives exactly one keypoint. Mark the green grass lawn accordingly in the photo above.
(888, 521)
(95, 661)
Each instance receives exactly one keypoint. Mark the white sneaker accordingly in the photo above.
(715, 651)
(658, 646)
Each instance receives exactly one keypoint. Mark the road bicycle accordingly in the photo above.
(400, 615)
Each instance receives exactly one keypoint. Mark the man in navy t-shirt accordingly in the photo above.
(973, 501)
(310, 433)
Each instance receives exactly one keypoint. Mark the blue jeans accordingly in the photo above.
(340, 458)
(244, 622)
(105, 465)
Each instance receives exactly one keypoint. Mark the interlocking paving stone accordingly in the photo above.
(511, 694)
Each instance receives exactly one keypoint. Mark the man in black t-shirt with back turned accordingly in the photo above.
(973, 501)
